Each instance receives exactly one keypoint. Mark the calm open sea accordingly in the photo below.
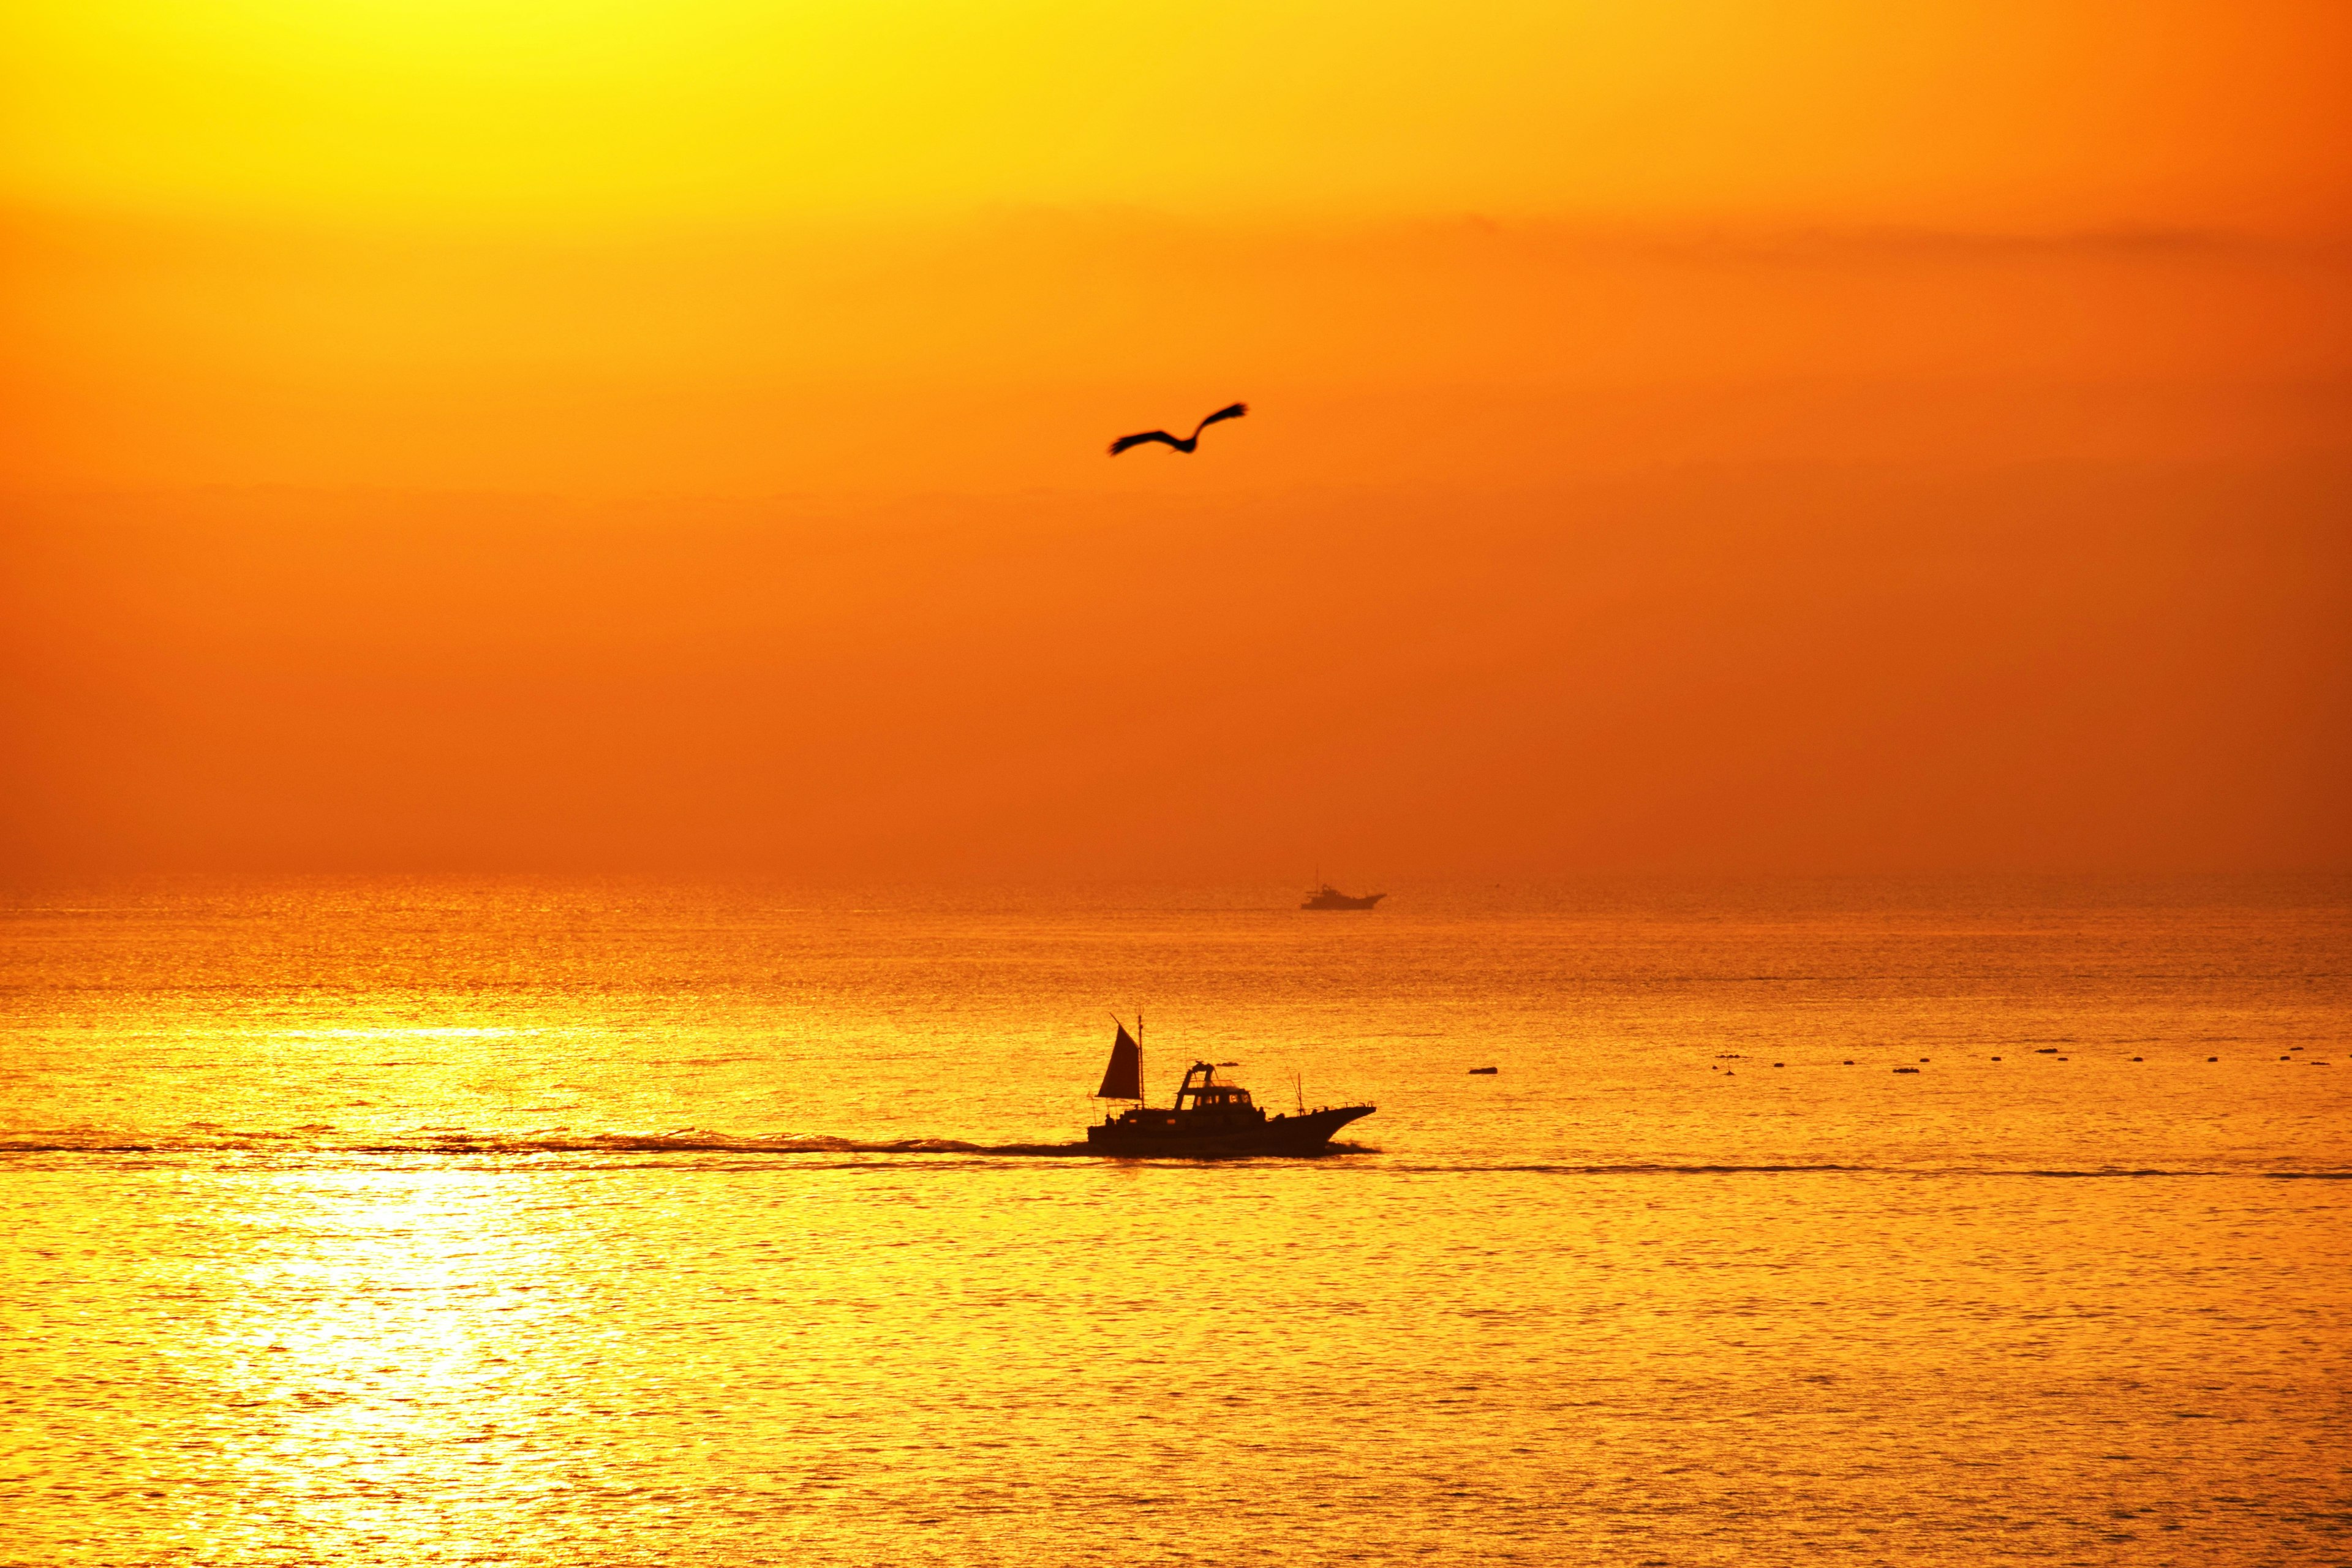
(440, 1221)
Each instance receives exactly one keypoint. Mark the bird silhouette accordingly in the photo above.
(1230, 411)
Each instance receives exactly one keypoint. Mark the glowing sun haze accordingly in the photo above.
(1815, 436)
(2067, 114)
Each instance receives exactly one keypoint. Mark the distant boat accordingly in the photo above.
(1328, 896)
(1208, 1118)
(1484, 1072)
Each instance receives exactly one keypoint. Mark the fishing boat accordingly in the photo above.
(1328, 896)
(1209, 1118)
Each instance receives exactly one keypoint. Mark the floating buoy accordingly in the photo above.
(1780, 1064)
(1996, 1059)
(1923, 1058)
(2212, 1059)
(1849, 1061)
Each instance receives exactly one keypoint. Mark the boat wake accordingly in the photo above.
(1654, 1169)
(700, 1144)
(461, 1140)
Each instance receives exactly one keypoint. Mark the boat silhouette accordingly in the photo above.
(1328, 896)
(1208, 1118)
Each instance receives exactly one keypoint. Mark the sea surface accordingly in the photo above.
(514, 1222)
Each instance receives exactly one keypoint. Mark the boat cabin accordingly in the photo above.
(1201, 1100)
(1211, 1095)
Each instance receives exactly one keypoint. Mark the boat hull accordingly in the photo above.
(1329, 900)
(1306, 1134)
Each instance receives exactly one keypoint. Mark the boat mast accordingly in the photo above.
(1141, 1099)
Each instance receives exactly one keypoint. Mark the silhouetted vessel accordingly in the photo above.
(1208, 1118)
(1328, 896)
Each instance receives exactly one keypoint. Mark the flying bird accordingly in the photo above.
(1232, 411)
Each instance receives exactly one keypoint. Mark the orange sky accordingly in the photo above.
(1805, 437)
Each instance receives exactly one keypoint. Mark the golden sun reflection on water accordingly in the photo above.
(377, 1336)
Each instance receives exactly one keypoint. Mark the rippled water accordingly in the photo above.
(444, 1222)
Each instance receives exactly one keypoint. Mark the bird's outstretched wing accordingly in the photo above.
(1230, 411)
(1124, 442)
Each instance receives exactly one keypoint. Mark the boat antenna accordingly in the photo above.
(1299, 1087)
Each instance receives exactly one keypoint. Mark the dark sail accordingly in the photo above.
(1123, 1079)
